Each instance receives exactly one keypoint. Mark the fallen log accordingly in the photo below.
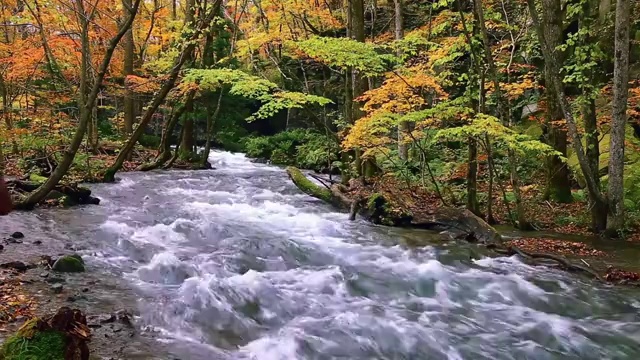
(457, 223)
(66, 195)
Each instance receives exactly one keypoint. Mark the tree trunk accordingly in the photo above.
(129, 102)
(188, 125)
(403, 127)
(211, 121)
(472, 178)
(188, 49)
(165, 143)
(598, 216)
(615, 220)
(558, 185)
(359, 82)
(596, 196)
(523, 223)
(85, 112)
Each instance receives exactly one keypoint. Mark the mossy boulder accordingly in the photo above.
(29, 343)
(69, 263)
(62, 336)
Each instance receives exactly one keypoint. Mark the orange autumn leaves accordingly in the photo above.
(403, 91)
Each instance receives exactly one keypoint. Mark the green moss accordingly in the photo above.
(69, 263)
(307, 186)
(30, 344)
(37, 178)
(374, 201)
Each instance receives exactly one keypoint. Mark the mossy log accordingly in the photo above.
(457, 223)
(333, 195)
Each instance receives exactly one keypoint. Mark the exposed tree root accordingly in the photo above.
(566, 264)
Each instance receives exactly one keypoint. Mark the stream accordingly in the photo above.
(237, 263)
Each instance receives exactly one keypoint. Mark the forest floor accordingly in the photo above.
(30, 288)
(87, 167)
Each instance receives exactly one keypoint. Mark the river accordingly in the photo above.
(236, 263)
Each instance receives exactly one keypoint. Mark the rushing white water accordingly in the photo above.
(236, 263)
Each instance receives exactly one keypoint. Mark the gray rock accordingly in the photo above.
(55, 280)
(57, 288)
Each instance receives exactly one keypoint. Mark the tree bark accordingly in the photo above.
(188, 126)
(558, 185)
(70, 153)
(129, 101)
(615, 220)
(403, 127)
(599, 201)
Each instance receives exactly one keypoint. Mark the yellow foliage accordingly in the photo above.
(404, 91)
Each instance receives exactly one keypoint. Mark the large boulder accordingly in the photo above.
(69, 263)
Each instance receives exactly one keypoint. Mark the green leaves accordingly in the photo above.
(343, 53)
(483, 124)
(252, 87)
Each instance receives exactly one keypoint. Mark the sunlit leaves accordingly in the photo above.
(252, 87)
(343, 53)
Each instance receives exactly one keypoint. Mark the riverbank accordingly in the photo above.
(30, 288)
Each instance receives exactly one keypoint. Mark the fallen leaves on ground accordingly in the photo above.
(552, 246)
(14, 303)
(620, 276)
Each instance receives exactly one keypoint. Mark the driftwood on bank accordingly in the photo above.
(61, 193)
(459, 224)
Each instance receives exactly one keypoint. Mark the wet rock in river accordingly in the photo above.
(57, 288)
(16, 265)
(17, 235)
(69, 263)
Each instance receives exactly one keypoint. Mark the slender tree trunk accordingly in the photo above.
(472, 177)
(188, 140)
(558, 185)
(479, 106)
(523, 221)
(187, 50)
(598, 200)
(615, 220)
(211, 121)
(403, 127)
(129, 101)
(360, 82)
(165, 143)
(70, 153)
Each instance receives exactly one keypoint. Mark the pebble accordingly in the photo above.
(55, 280)
(17, 235)
(57, 288)
(44, 274)
(37, 242)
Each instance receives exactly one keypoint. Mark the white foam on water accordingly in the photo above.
(316, 281)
